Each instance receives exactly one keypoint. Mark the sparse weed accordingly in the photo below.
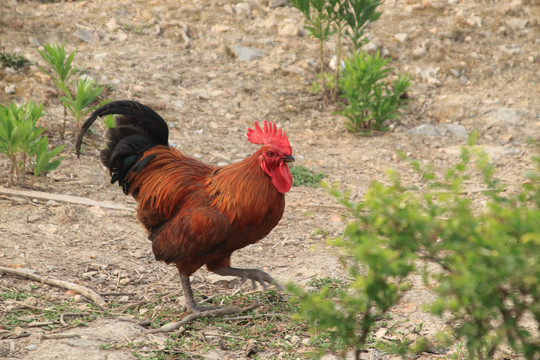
(15, 61)
(304, 176)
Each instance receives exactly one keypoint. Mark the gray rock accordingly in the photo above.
(454, 130)
(245, 53)
(276, 3)
(288, 29)
(402, 37)
(86, 35)
(504, 116)
(455, 73)
(517, 23)
(34, 41)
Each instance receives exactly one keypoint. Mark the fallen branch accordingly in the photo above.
(84, 291)
(63, 198)
(38, 324)
(117, 293)
(210, 313)
(185, 36)
(60, 336)
(252, 317)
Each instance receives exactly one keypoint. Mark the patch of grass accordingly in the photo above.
(270, 325)
(136, 29)
(319, 231)
(332, 283)
(13, 295)
(15, 61)
(49, 314)
(304, 176)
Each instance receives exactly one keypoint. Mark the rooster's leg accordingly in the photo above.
(188, 293)
(191, 304)
(255, 275)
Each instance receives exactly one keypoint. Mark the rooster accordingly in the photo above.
(196, 214)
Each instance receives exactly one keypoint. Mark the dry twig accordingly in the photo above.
(210, 313)
(185, 36)
(63, 198)
(84, 291)
(60, 336)
(63, 315)
(252, 317)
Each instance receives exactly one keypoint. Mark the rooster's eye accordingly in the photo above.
(271, 154)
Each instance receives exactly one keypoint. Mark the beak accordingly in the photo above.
(288, 158)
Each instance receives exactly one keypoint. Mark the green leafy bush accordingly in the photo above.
(488, 285)
(304, 176)
(371, 101)
(360, 78)
(341, 17)
(22, 141)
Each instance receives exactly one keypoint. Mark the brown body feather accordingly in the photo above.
(198, 214)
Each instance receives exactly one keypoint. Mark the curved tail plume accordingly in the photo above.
(138, 129)
(137, 114)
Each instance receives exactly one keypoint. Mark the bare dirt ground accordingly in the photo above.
(472, 63)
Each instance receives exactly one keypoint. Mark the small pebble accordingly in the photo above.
(10, 89)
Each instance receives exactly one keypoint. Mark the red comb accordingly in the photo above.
(270, 135)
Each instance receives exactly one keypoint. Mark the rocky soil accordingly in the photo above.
(212, 68)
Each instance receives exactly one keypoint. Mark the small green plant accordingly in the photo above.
(318, 23)
(21, 140)
(345, 18)
(15, 61)
(86, 90)
(55, 56)
(46, 160)
(350, 18)
(85, 94)
(332, 283)
(136, 29)
(371, 101)
(304, 176)
(487, 252)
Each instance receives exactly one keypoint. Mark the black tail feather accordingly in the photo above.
(138, 129)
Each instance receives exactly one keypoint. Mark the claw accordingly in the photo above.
(255, 275)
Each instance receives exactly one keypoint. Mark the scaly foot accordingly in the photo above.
(255, 275)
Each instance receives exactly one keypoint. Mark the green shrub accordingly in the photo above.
(360, 78)
(22, 141)
(487, 252)
(341, 17)
(370, 100)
